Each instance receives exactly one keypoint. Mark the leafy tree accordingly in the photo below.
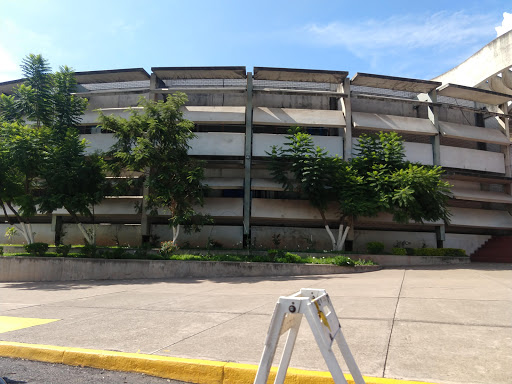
(70, 179)
(156, 142)
(50, 160)
(20, 160)
(377, 179)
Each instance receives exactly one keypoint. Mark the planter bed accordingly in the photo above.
(24, 268)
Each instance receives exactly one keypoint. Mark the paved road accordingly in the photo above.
(17, 371)
(437, 324)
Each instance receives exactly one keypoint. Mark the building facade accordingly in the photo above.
(459, 121)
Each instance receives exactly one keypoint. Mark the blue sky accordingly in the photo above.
(400, 38)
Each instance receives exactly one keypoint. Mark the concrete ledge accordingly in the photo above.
(23, 268)
(187, 370)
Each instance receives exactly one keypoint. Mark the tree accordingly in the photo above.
(46, 151)
(70, 179)
(377, 179)
(20, 160)
(156, 142)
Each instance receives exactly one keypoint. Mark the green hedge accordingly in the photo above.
(456, 252)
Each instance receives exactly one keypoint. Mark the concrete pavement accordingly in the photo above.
(450, 324)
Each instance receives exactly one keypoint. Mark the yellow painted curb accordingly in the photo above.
(188, 370)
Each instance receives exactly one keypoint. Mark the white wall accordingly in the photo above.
(227, 236)
(463, 158)
(470, 243)
(263, 142)
(389, 239)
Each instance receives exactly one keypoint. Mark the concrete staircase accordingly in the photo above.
(498, 249)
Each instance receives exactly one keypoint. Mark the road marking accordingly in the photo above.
(9, 323)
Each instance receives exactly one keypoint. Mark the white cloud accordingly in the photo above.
(441, 31)
(9, 70)
(506, 24)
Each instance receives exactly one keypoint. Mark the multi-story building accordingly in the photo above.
(459, 120)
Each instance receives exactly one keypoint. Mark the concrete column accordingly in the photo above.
(440, 235)
(433, 116)
(57, 228)
(247, 163)
(504, 124)
(346, 107)
(154, 83)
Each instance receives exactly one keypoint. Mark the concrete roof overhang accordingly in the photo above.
(7, 86)
(394, 83)
(300, 75)
(175, 73)
(112, 76)
(474, 94)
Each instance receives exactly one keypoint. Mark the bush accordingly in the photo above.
(116, 253)
(63, 250)
(365, 262)
(344, 261)
(36, 249)
(457, 252)
(289, 258)
(168, 248)
(375, 247)
(274, 254)
(90, 251)
(1, 251)
(399, 251)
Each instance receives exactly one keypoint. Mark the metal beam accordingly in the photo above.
(247, 162)
(200, 90)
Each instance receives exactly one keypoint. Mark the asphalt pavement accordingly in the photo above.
(448, 325)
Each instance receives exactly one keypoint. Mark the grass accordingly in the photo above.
(121, 253)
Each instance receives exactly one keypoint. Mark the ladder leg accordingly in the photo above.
(327, 353)
(288, 349)
(271, 342)
(349, 359)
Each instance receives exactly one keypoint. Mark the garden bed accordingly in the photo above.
(25, 268)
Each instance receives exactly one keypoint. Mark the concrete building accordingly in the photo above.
(459, 120)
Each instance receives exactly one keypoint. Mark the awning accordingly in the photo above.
(402, 124)
(300, 117)
(395, 83)
(486, 196)
(471, 133)
(220, 115)
(473, 94)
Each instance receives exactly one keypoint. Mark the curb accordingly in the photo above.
(188, 370)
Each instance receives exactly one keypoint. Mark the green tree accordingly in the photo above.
(70, 179)
(156, 142)
(377, 179)
(20, 160)
(46, 150)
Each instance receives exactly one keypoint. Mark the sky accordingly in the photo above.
(397, 38)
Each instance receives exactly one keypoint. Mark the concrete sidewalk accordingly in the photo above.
(438, 324)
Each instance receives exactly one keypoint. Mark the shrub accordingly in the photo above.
(365, 262)
(457, 252)
(274, 254)
(116, 253)
(36, 249)
(63, 250)
(399, 251)
(289, 258)
(168, 248)
(344, 261)
(375, 247)
(1, 251)
(90, 251)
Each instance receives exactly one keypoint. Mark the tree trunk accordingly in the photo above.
(175, 233)
(337, 244)
(24, 226)
(90, 238)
